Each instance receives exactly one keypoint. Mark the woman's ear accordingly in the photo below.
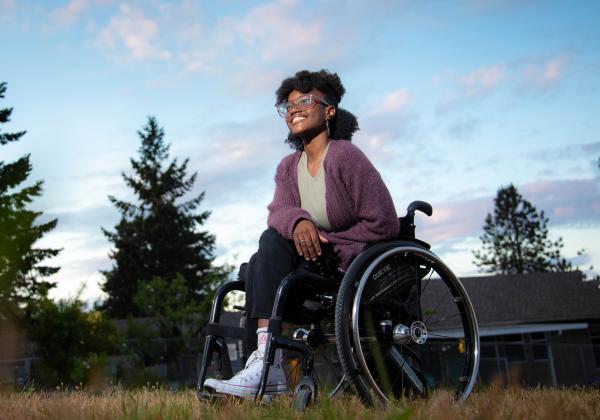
(330, 112)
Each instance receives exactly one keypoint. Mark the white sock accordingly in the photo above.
(262, 344)
(262, 339)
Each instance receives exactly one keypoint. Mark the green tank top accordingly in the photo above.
(312, 191)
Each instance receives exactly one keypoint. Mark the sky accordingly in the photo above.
(454, 100)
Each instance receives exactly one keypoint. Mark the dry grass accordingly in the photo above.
(151, 403)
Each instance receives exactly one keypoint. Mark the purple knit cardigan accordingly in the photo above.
(359, 206)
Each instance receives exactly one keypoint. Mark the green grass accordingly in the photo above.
(152, 403)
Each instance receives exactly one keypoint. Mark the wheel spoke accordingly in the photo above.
(427, 282)
(407, 371)
(443, 319)
(447, 337)
(437, 307)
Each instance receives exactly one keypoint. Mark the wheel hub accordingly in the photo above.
(418, 332)
(404, 335)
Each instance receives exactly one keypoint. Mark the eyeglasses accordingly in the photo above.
(303, 103)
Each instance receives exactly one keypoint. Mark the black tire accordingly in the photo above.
(405, 286)
(303, 400)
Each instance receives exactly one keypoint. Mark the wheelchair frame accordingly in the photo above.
(348, 340)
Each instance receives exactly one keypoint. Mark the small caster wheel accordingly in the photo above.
(306, 393)
(303, 400)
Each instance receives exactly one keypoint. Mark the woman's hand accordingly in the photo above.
(306, 238)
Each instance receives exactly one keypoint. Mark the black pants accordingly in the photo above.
(275, 259)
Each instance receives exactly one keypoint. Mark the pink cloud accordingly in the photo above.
(477, 84)
(255, 79)
(198, 61)
(276, 35)
(482, 81)
(67, 15)
(388, 137)
(528, 74)
(395, 101)
(581, 196)
(544, 74)
(276, 28)
(565, 202)
(455, 220)
(134, 32)
(267, 38)
(564, 211)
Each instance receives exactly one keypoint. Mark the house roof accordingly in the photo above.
(533, 298)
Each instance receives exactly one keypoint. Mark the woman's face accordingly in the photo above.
(307, 122)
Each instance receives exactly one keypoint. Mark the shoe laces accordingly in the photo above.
(256, 357)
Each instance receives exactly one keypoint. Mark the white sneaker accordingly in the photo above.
(246, 382)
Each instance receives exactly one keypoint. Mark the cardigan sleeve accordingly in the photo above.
(374, 211)
(284, 210)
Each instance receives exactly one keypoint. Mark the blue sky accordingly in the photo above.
(454, 100)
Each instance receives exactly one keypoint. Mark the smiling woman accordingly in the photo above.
(329, 202)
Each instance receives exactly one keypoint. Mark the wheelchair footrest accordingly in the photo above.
(226, 331)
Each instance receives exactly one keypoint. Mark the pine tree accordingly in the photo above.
(21, 268)
(158, 236)
(515, 238)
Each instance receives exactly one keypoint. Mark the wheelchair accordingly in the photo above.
(398, 323)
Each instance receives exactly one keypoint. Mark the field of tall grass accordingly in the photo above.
(155, 403)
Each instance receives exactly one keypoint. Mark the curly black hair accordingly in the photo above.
(343, 125)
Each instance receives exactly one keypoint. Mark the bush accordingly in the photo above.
(73, 344)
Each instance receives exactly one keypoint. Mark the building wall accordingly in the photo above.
(548, 359)
(567, 351)
(574, 357)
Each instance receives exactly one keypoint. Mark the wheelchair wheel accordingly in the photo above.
(405, 325)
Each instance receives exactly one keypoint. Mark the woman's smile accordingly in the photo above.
(298, 118)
